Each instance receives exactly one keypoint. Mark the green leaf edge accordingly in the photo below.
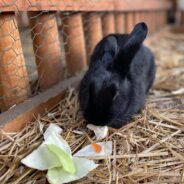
(64, 158)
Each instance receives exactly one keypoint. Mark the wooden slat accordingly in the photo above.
(120, 22)
(159, 20)
(148, 22)
(74, 43)
(137, 17)
(16, 118)
(164, 17)
(93, 24)
(181, 17)
(46, 45)
(148, 16)
(153, 20)
(14, 82)
(142, 16)
(83, 5)
(129, 22)
(22, 19)
(108, 24)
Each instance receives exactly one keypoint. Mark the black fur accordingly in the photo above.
(120, 74)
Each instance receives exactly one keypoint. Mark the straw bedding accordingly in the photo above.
(148, 150)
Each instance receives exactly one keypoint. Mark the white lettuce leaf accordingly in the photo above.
(88, 151)
(59, 175)
(41, 158)
(53, 128)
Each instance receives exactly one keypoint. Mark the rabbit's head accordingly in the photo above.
(102, 94)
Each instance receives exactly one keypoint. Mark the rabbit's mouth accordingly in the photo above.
(97, 123)
(96, 119)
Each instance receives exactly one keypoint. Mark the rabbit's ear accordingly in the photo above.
(127, 52)
(107, 46)
(111, 45)
(136, 38)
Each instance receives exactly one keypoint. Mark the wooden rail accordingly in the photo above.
(85, 23)
(84, 5)
(16, 118)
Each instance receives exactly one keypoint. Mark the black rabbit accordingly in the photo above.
(120, 74)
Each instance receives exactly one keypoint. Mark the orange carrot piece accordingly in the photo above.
(97, 148)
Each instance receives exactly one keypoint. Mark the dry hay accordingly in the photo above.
(148, 150)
